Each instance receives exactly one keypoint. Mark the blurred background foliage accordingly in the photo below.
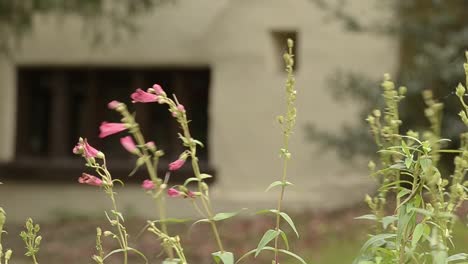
(115, 18)
(432, 37)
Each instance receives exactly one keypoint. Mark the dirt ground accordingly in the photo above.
(71, 239)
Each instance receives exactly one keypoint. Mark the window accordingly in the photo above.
(56, 105)
(280, 38)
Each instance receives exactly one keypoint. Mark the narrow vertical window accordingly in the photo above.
(279, 42)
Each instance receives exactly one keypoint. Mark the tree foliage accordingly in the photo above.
(17, 17)
(433, 34)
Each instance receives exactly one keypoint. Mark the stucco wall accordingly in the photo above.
(233, 37)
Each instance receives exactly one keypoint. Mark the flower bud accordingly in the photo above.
(460, 91)
(290, 43)
(376, 113)
(8, 254)
(402, 90)
(108, 233)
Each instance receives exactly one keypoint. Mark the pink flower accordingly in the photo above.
(147, 185)
(113, 105)
(90, 180)
(151, 145)
(128, 143)
(173, 193)
(158, 89)
(140, 96)
(181, 108)
(110, 129)
(177, 164)
(84, 148)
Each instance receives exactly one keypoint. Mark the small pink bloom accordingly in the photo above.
(140, 96)
(90, 180)
(191, 194)
(158, 89)
(110, 129)
(177, 164)
(147, 185)
(87, 150)
(151, 145)
(113, 105)
(173, 193)
(128, 143)
(181, 108)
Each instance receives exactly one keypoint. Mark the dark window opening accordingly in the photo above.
(56, 105)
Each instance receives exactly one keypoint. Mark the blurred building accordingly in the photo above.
(223, 59)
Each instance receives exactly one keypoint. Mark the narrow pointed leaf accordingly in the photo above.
(224, 257)
(267, 237)
(290, 222)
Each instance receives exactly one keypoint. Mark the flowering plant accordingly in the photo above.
(156, 186)
(420, 226)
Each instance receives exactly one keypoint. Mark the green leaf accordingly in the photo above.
(191, 179)
(417, 234)
(287, 252)
(267, 237)
(198, 143)
(266, 211)
(290, 222)
(426, 163)
(173, 220)
(277, 183)
(205, 176)
(387, 220)
(285, 239)
(456, 257)
(223, 257)
(404, 147)
(408, 161)
(367, 217)
(171, 261)
(223, 216)
(403, 192)
(376, 240)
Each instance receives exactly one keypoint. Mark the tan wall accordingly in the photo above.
(233, 37)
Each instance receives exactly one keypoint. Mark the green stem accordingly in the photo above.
(204, 198)
(123, 235)
(159, 199)
(34, 259)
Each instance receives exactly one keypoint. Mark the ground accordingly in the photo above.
(326, 238)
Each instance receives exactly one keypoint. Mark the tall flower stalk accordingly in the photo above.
(116, 219)
(288, 124)
(148, 155)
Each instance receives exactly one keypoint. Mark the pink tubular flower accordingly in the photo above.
(87, 150)
(128, 143)
(90, 180)
(151, 145)
(177, 164)
(113, 105)
(110, 129)
(147, 185)
(140, 96)
(181, 108)
(158, 89)
(173, 193)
